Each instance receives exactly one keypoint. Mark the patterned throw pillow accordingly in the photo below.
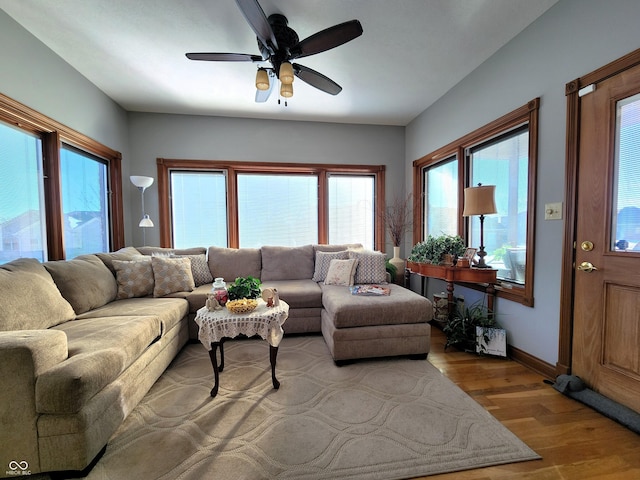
(171, 275)
(371, 266)
(134, 277)
(199, 268)
(341, 272)
(323, 259)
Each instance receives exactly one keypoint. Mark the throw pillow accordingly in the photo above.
(199, 268)
(371, 266)
(171, 275)
(134, 277)
(323, 259)
(341, 272)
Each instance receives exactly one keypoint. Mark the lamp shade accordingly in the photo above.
(145, 222)
(262, 79)
(479, 200)
(286, 73)
(141, 182)
(286, 90)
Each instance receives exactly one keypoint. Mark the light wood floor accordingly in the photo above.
(574, 441)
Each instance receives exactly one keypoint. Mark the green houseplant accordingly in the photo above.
(460, 329)
(433, 248)
(244, 287)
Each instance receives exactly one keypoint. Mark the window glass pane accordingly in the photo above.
(441, 199)
(84, 203)
(22, 214)
(277, 210)
(626, 218)
(351, 209)
(505, 164)
(199, 209)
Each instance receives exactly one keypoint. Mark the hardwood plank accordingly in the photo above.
(575, 442)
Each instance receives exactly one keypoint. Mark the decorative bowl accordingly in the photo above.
(243, 305)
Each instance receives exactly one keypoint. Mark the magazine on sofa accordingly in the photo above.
(372, 290)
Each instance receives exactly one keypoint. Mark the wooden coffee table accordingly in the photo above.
(216, 326)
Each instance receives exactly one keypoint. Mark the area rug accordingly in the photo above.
(375, 419)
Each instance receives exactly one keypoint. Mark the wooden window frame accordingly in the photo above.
(526, 114)
(232, 168)
(53, 134)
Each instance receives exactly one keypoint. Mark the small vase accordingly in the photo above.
(398, 262)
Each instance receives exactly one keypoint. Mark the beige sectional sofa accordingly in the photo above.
(82, 341)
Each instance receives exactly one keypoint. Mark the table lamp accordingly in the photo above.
(480, 200)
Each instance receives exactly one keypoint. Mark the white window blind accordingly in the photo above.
(351, 209)
(277, 209)
(199, 208)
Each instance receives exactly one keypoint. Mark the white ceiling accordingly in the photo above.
(410, 54)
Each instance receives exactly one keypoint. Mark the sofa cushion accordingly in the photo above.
(199, 269)
(171, 251)
(297, 293)
(30, 299)
(124, 254)
(371, 266)
(323, 260)
(337, 248)
(85, 282)
(170, 311)
(231, 263)
(401, 306)
(134, 277)
(171, 275)
(341, 272)
(100, 349)
(287, 263)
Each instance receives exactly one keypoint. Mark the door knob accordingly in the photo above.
(586, 267)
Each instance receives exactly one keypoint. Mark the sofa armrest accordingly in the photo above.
(24, 354)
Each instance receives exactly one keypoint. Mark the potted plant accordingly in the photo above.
(244, 287)
(433, 249)
(472, 328)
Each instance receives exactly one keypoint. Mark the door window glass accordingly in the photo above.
(625, 233)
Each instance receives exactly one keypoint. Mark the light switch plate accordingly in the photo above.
(553, 211)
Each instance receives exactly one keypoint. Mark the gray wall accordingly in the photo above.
(235, 139)
(570, 40)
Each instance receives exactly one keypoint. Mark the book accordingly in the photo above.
(371, 290)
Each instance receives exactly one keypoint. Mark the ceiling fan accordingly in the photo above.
(279, 44)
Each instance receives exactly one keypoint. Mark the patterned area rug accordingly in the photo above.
(376, 419)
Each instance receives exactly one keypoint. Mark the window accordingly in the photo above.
(502, 153)
(85, 204)
(60, 191)
(255, 204)
(351, 209)
(503, 162)
(199, 207)
(441, 198)
(277, 209)
(22, 212)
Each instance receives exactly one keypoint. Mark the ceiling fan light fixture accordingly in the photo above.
(286, 90)
(286, 73)
(262, 79)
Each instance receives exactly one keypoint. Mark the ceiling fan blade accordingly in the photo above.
(327, 39)
(224, 57)
(316, 79)
(263, 95)
(256, 18)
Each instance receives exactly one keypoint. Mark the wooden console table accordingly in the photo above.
(452, 275)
